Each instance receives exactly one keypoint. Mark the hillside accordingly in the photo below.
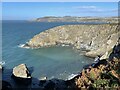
(76, 19)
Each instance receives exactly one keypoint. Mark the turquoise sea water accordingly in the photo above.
(52, 62)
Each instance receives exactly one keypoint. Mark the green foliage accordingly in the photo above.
(92, 75)
(101, 83)
(114, 84)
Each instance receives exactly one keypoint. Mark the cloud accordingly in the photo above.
(85, 7)
(93, 9)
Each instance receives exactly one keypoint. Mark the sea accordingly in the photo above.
(51, 62)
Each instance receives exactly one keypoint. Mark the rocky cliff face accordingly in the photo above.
(104, 74)
(95, 39)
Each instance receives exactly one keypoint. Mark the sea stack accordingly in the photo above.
(21, 74)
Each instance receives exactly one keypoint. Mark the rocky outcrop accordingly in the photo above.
(21, 74)
(53, 84)
(6, 85)
(105, 74)
(95, 39)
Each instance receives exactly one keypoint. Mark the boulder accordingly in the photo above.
(21, 74)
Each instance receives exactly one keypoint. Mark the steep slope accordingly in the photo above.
(104, 74)
(94, 39)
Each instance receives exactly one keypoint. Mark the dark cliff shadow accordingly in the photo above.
(9, 83)
(115, 53)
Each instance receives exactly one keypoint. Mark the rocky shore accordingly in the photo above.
(94, 39)
(104, 74)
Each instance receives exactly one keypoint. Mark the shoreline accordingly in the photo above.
(74, 83)
(89, 73)
(88, 38)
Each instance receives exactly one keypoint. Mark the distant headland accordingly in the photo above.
(76, 19)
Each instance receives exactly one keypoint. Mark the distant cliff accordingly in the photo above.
(94, 39)
(77, 19)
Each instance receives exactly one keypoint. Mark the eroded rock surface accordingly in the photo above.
(95, 39)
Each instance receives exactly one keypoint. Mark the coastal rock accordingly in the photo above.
(6, 85)
(105, 56)
(43, 78)
(104, 74)
(21, 74)
(1, 67)
(55, 84)
(50, 86)
(94, 39)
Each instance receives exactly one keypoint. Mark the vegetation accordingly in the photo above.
(104, 75)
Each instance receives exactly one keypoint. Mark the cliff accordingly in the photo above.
(103, 75)
(94, 39)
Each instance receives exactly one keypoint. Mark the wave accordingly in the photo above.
(23, 46)
(2, 62)
(71, 76)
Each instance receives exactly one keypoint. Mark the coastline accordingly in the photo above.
(103, 74)
(88, 38)
(76, 19)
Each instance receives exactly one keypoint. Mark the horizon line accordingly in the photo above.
(68, 16)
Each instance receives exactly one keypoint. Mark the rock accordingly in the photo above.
(21, 74)
(6, 85)
(105, 56)
(104, 74)
(72, 76)
(95, 39)
(43, 78)
(1, 67)
(50, 86)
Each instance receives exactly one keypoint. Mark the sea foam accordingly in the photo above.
(23, 46)
(71, 76)
(2, 62)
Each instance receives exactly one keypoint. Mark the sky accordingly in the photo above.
(60, 0)
(32, 10)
